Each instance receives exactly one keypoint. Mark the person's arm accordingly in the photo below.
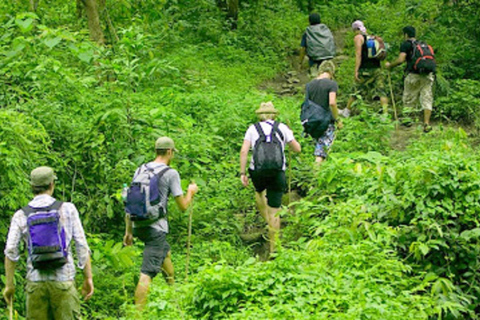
(402, 57)
(184, 201)
(303, 53)
(81, 246)
(243, 162)
(358, 41)
(128, 237)
(9, 291)
(303, 49)
(12, 254)
(87, 288)
(294, 146)
(332, 99)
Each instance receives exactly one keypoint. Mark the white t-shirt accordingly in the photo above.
(252, 136)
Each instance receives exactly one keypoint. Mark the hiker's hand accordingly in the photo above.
(87, 288)
(339, 124)
(388, 65)
(244, 179)
(8, 294)
(356, 76)
(193, 188)
(127, 239)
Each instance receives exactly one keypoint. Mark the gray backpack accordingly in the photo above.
(144, 196)
(320, 44)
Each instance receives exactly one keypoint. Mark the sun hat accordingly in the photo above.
(266, 107)
(165, 143)
(42, 176)
(358, 25)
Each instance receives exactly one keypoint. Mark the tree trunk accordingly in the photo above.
(34, 5)
(96, 32)
(79, 7)
(232, 12)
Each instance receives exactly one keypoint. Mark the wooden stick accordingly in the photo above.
(10, 309)
(289, 170)
(189, 238)
(393, 100)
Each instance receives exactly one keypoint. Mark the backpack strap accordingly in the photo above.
(275, 128)
(162, 172)
(56, 205)
(260, 131)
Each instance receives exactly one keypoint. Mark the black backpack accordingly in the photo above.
(315, 119)
(423, 58)
(268, 153)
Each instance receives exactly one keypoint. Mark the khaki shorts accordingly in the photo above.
(55, 300)
(418, 90)
(371, 85)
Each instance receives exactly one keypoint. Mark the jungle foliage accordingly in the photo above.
(381, 232)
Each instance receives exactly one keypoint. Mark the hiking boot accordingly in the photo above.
(427, 128)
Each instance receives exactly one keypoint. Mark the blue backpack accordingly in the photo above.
(47, 247)
(143, 201)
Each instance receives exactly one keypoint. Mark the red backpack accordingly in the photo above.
(423, 58)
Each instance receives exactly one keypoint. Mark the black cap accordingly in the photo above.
(410, 31)
(314, 18)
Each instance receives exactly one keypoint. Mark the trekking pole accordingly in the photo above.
(189, 237)
(10, 309)
(393, 99)
(289, 171)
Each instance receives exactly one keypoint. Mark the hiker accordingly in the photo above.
(369, 78)
(317, 42)
(151, 186)
(267, 139)
(322, 91)
(48, 227)
(420, 74)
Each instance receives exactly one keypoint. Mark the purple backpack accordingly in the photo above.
(47, 246)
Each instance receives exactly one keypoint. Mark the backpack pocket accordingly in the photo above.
(136, 205)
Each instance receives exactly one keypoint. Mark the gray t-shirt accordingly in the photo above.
(169, 184)
(319, 91)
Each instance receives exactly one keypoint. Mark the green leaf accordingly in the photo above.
(25, 25)
(52, 42)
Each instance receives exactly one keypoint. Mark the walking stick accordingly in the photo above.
(289, 171)
(10, 309)
(189, 237)
(393, 99)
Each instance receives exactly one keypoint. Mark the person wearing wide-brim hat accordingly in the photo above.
(267, 140)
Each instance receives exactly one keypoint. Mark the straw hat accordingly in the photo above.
(266, 107)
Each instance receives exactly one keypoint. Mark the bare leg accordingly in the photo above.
(384, 103)
(427, 114)
(351, 100)
(318, 160)
(261, 200)
(168, 270)
(141, 293)
(273, 227)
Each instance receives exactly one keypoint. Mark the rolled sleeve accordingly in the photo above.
(249, 136)
(287, 133)
(12, 247)
(78, 236)
(175, 185)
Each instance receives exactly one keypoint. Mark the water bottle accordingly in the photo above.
(124, 193)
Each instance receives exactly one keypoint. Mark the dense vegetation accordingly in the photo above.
(384, 230)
